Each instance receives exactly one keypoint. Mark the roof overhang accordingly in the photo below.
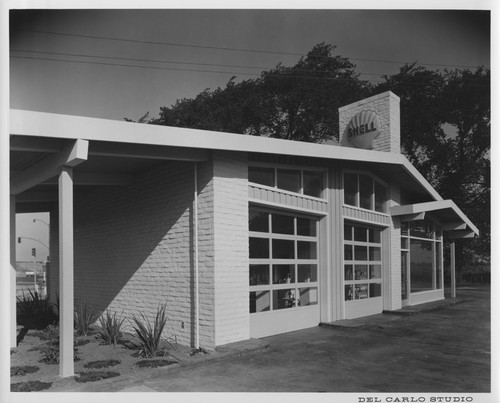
(116, 138)
(454, 221)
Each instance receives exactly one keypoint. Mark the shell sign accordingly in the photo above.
(362, 129)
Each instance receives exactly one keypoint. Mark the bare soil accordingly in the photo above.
(95, 361)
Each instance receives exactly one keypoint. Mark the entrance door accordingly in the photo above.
(362, 270)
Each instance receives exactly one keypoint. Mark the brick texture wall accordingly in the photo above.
(386, 105)
(232, 318)
(134, 249)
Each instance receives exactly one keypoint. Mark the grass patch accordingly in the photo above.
(31, 386)
(81, 342)
(155, 363)
(93, 376)
(22, 370)
(102, 364)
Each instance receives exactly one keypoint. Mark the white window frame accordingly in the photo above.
(296, 261)
(300, 168)
(376, 179)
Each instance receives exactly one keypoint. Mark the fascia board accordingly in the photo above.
(433, 206)
(31, 123)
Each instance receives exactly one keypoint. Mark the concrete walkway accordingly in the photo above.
(443, 347)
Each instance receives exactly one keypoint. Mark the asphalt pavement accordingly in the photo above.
(441, 348)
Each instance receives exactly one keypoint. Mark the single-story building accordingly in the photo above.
(239, 236)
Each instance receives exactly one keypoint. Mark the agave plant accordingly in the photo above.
(84, 318)
(149, 334)
(110, 329)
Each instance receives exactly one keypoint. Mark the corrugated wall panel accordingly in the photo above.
(277, 197)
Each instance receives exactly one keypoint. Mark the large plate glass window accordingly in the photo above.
(422, 242)
(362, 262)
(308, 182)
(283, 260)
(364, 191)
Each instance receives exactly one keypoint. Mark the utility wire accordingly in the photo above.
(214, 71)
(159, 61)
(109, 38)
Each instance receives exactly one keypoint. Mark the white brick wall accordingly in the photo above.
(231, 247)
(386, 105)
(133, 248)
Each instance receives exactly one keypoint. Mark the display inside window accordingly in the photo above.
(283, 273)
(283, 260)
(361, 291)
(348, 293)
(283, 299)
(364, 191)
(307, 273)
(361, 272)
(363, 262)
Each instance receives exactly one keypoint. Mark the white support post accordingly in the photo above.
(13, 298)
(452, 269)
(66, 364)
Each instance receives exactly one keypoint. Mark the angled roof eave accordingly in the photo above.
(434, 206)
(42, 124)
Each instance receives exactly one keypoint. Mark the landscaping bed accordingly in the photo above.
(96, 361)
(101, 349)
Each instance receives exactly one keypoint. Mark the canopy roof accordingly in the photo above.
(118, 150)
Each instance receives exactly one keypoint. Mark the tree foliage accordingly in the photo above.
(294, 103)
(445, 121)
(445, 133)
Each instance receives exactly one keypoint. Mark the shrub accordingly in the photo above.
(50, 350)
(110, 330)
(34, 311)
(149, 334)
(84, 318)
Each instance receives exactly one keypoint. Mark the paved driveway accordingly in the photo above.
(445, 350)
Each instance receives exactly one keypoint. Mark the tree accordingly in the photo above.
(445, 133)
(295, 103)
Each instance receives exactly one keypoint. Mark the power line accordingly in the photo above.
(138, 59)
(211, 71)
(109, 38)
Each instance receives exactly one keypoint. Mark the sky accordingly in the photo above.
(122, 63)
(192, 40)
